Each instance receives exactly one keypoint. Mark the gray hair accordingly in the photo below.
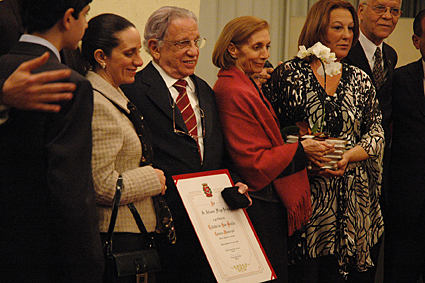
(158, 22)
(365, 1)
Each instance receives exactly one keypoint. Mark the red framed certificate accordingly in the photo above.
(227, 236)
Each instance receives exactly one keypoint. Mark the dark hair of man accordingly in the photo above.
(417, 23)
(41, 15)
(102, 34)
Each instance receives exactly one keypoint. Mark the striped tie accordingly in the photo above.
(378, 72)
(186, 109)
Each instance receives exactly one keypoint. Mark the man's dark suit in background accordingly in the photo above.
(357, 57)
(375, 27)
(405, 225)
(49, 229)
(10, 25)
(405, 244)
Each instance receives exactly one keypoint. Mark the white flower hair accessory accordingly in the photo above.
(326, 57)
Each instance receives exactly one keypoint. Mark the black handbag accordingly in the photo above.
(123, 266)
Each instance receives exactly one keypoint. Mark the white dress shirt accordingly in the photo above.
(369, 49)
(41, 41)
(193, 99)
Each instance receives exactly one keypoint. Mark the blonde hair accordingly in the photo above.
(237, 31)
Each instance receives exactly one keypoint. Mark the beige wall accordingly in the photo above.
(401, 40)
(138, 11)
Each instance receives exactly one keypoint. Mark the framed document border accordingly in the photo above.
(178, 178)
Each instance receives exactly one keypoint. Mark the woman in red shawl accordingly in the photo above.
(275, 171)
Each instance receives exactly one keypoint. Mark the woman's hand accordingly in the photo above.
(243, 190)
(316, 150)
(341, 166)
(161, 178)
(355, 154)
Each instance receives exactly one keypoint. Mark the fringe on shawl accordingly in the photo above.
(294, 191)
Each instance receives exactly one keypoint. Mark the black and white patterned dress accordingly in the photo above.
(346, 219)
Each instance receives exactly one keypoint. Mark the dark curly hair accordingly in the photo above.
(41, 15)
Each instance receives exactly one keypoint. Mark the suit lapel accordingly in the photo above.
(159, 94)
(389, 62)
(416, 84)
(358, 58)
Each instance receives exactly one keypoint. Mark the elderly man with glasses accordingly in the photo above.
(378, 19)
(179, 108)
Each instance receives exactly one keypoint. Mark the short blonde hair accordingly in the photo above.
(237, 31)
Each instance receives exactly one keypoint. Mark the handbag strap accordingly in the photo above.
(136, 215)
(114, 214)
(149, 239)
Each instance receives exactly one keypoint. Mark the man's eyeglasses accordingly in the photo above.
(186, 44)
(380, 10)
(182, 133)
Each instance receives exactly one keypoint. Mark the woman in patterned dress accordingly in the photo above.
(346, 221)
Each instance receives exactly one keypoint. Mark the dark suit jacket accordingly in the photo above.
(10, 25)
(407, 194)
(357, 57)
(178, 154)
(405, 226)
(49, 229)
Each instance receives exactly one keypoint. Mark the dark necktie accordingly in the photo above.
(186, 109)
(378, 72)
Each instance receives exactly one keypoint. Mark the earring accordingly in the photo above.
(103, 65)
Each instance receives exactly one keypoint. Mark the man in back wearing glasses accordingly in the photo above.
(378, 19)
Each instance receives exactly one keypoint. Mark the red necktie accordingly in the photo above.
(186, 109)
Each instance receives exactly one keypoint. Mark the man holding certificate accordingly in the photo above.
(180, 111)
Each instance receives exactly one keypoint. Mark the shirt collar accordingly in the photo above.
(41, 41)
(169, 81)
(369, 47)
